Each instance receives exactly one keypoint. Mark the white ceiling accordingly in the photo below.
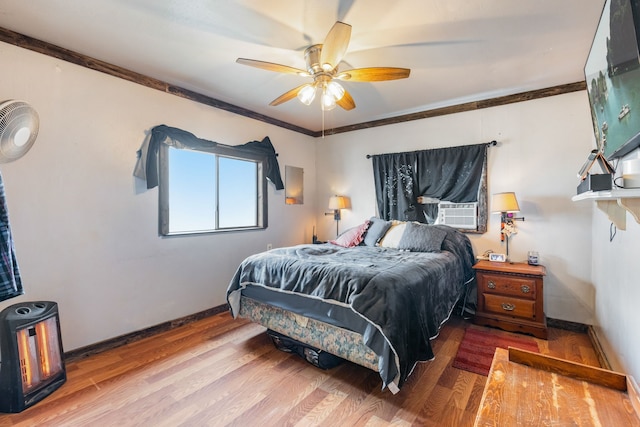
(458, 50)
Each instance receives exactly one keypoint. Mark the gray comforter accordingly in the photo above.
(405, 295)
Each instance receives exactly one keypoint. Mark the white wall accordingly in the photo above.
(86, 237)
(542, 144)
(616, 277)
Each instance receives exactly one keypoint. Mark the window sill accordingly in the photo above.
(201, 232)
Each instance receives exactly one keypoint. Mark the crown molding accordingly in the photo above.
(45, 48)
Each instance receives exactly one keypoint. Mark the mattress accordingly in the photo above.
(395, 300)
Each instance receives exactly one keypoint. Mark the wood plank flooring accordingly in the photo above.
(219, 371)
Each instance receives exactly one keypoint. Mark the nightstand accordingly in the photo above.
(510, 297)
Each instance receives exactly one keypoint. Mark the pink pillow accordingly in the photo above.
(352, 237)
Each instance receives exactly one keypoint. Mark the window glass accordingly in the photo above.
(238, 203)
(209, 191)
(192, 191)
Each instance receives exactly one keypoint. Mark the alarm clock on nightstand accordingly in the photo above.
(497, 257)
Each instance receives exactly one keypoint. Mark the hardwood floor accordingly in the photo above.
(219, 371)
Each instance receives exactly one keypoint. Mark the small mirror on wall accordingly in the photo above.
(294, 178)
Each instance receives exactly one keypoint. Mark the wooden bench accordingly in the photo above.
(531, 389)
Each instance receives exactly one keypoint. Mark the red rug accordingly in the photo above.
(478, 345)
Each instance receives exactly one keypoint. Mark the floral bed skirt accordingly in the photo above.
(332, 339)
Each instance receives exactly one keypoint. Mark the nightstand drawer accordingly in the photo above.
(511, 297)
(509, 306)
(521, 287)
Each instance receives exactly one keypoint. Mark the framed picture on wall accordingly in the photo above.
(612, 73)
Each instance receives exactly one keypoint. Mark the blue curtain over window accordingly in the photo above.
(10, 281)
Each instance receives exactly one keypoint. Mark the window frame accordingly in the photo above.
(219, 151)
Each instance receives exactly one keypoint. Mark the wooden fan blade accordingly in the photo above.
(346, 101)
(374, 74)
(287, 96)
(335, 45)
(270, 66)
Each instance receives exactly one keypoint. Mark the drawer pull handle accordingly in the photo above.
(525, 289)
(491, 284)
(508, 306)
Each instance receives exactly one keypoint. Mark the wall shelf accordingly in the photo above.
(615, 203)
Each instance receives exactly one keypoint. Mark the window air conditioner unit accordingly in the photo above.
(458, 215)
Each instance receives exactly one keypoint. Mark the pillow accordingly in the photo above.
(422, 238)
(377, 228)
(392, 238)
(352, 237)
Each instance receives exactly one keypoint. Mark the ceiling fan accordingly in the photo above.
(322, 61)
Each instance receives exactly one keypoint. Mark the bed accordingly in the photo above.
(376, 297)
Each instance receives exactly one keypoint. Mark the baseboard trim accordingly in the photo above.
(566, 325)
(600, 354)
(121, 340)
(590, 331)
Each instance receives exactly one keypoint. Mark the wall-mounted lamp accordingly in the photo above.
(335, 204)
(506, 205)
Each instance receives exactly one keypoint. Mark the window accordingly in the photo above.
(211, 190)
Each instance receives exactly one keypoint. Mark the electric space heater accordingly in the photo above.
(31, 357)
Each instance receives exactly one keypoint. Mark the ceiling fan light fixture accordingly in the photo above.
(307, 94)
(328, 100)
(335, 89)
(321, 64)
(327, 68)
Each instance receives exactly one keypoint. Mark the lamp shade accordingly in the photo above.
(337, 202)
(504, 202)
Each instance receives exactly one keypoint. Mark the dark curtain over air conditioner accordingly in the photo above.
(454, 174)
